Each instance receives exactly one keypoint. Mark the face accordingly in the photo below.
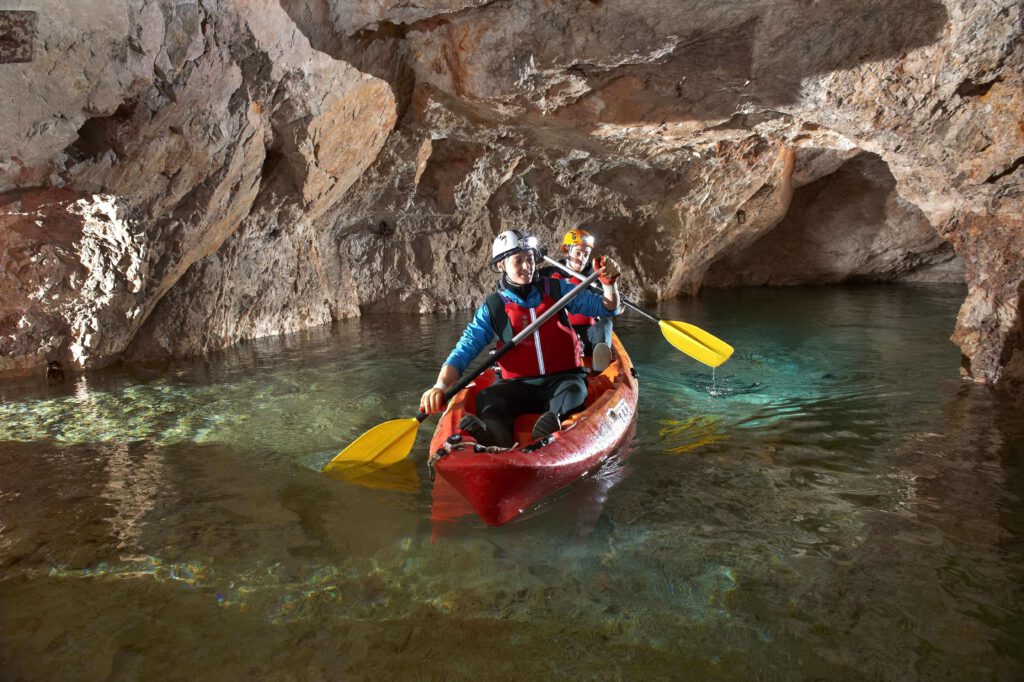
(519, 267)
(577, 257)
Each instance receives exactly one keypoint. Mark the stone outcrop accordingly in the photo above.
(67, 293)
(191, 118)
(848, 225)
(276, 165)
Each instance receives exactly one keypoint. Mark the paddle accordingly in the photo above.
(391, 441)
(401, 476)
(692, 340)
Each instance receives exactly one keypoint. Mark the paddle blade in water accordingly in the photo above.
(695, 342)
(384, 444)
(401, 476)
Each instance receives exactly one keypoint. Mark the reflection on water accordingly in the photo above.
(398, 476)
(832, 503)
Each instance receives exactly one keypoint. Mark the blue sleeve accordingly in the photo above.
(589, 303)
(477, 335)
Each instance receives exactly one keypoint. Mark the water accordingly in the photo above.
(832, 503)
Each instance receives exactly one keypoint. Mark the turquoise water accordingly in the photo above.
(831, 503)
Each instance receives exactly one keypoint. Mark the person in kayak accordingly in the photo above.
(542, 373)
(595, 332)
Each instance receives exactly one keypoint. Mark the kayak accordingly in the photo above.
(500, 484)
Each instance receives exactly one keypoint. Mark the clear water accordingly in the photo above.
(833, 503)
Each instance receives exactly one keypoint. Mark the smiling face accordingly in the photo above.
(577, 256)
(519, 267)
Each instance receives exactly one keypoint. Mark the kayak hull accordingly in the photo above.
(502, 485)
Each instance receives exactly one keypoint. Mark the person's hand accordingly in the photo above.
(432, 400)
(608, 270)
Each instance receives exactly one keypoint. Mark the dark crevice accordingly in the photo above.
(277, 177)
(383, 30)
(969, 88)
(271, 162)
(382, 229)
(1007, 171)
(101, 134)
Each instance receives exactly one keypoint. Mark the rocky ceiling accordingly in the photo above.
(176, 177)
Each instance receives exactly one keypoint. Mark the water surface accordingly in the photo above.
(833, 503)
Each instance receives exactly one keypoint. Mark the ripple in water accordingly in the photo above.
(832, 503)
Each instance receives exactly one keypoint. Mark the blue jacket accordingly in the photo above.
(479, 333)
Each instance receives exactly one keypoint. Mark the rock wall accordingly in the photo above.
(189, 119)
(267, 166)
(849, 225)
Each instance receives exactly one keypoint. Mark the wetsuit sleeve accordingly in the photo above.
(589, 303)
(475, 337)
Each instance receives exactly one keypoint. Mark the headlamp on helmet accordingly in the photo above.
(511, 242)
(577, 238)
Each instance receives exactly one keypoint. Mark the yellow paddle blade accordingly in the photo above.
(695, 342)
(384, 444)
(401, 476)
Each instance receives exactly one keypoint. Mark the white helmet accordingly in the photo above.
(510, 242)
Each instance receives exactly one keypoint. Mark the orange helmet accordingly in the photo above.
(578, 238)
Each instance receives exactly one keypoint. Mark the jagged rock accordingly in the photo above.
(197, 112)
(73, 274)
(342, 156)
(848, 225)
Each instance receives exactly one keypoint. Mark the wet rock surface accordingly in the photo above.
(286, 164)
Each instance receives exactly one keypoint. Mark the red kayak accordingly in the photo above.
(501, 485)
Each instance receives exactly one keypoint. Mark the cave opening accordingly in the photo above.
(848, 226)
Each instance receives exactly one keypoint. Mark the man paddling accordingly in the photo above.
(595, 332)
(542, 373)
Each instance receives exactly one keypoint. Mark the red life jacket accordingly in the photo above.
(574, 319)
(551, 349)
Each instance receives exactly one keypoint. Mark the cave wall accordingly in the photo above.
(850, 225)
(267, 166)
(189, 120)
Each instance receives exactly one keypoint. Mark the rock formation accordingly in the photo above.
(178, 177)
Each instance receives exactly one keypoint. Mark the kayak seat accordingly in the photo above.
(523, 427)
(597, 385)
